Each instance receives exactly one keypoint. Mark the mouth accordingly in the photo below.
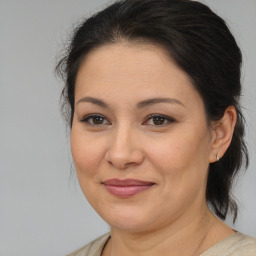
(126, 188)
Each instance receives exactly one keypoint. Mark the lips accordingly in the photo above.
(126, 188)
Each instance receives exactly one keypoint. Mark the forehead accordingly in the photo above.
(140, 70)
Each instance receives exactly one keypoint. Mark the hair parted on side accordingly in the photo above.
(201, 44)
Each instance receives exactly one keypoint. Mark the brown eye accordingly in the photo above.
(158, 120)
(95, 120)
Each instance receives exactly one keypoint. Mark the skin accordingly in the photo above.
(116, 81)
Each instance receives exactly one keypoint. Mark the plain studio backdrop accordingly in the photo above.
(42, 212)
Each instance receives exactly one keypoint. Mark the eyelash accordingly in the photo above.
(86, 119)
(167, 120)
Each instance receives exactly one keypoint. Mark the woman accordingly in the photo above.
(152, 89)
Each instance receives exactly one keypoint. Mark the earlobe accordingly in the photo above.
(222, 134)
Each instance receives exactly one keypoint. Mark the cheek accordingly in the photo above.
(172, 153)
(87, 152)
(182, 165)
(182, 157)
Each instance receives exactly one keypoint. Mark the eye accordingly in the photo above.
(158, 120)
(95, 120)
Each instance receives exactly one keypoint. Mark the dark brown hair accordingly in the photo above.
(200, 42)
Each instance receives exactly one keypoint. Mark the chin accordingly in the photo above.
(130, 220)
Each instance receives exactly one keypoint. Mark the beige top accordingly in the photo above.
(236, 245)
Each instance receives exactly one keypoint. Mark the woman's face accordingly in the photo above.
(140, 140)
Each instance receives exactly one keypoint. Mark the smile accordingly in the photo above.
(126, 188)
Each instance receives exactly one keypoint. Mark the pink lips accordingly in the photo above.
(127, 187)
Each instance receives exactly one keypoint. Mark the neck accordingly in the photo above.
(187, 236)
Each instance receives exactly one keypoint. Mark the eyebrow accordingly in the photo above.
(141, 104)
(95, 101)
(149, 102)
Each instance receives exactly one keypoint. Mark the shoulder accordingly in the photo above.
(245, 245)
(94, 248)
(236, 245)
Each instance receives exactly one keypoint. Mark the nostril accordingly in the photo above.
(122, 160)
(119, 163)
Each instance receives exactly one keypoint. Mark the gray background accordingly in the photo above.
(42, 212)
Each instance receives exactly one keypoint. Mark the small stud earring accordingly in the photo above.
(218, 158)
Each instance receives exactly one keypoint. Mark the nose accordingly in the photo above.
(124, 148)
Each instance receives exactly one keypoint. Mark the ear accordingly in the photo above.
(222, 133)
